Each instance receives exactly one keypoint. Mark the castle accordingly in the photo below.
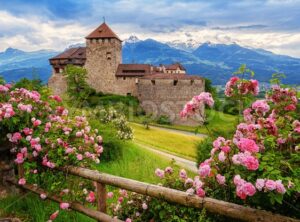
(161, 90)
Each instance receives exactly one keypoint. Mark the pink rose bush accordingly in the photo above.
(44, 137)
(192, 106)
(236, 86)
(261, 159)
(130, 206)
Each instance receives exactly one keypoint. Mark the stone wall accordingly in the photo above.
(57, 83)
(164, 97)
(126, 85)
(102, 59)
(6, 169)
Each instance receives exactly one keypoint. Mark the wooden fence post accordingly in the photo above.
(101, 197)
(21, 173)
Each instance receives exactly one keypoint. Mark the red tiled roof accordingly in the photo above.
(72, 53)
(133, 70)
(175, 66)
(170, 76)
(103, 31)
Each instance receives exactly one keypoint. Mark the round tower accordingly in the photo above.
(103, 55)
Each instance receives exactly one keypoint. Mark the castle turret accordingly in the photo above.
(103, 55)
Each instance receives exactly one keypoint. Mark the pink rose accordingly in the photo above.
(270, 185)
(169, 170)
(22, 181)
(204, 170)
(160, 173)
(54, 215)
(91, 197)
(200, 192)
(64, 206)
(248, 145)
(110, 195)
(43, 196)
(220, 179)
(221, 156)
(260, 183)
(79, 157)
(182, 174)
(280, 187)
(144, 206)
(20, 158)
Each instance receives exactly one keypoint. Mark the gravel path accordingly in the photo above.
(187, 164)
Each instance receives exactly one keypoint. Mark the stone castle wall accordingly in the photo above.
(126, 86)
(102, 59)
(163, 97)
(58, 83)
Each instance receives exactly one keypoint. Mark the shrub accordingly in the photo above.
(203, 148)
(35, 84)
(140, 208)
(261, 161)
(44, 137)
(164, 120)
(111, 142)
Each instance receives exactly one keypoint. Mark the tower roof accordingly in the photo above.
(103, 31)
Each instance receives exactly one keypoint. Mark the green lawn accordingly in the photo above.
(216, 121)
(136, 163)
(176, 143)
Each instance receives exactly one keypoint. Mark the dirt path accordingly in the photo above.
(186, 164)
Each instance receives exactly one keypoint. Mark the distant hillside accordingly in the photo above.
(16, 64)
(214, 61)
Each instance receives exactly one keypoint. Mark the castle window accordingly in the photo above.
(56, 70)
(108, 55)
(153, 82)
(192, 82)
(124, 78)
(175, 82)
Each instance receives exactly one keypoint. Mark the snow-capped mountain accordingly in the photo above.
(214, 61)
(131, 39)
(189, 45)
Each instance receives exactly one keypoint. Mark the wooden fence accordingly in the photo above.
(230, 210)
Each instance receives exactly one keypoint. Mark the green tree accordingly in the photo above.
(78, 89)
(2, 81)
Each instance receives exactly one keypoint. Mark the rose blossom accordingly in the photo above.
(204, 170)
(22, 181)
(182, 174)
(64, 206)
(270, 185)
(43, 196)
(280, 187)
(160, 173)
(54, 215)
(220, 179)
(110, 195)
(200, 192)
(245, 144)
(144, 206)
(222, 156)
(260, 183)
(91, 197)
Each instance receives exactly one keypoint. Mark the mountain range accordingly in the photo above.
(214, 61)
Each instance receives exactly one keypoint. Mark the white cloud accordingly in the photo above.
(32, 33)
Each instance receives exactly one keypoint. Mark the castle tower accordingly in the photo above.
(103, 55)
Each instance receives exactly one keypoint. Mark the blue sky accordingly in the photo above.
(54, 24)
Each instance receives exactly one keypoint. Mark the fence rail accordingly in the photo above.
(215, 206)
